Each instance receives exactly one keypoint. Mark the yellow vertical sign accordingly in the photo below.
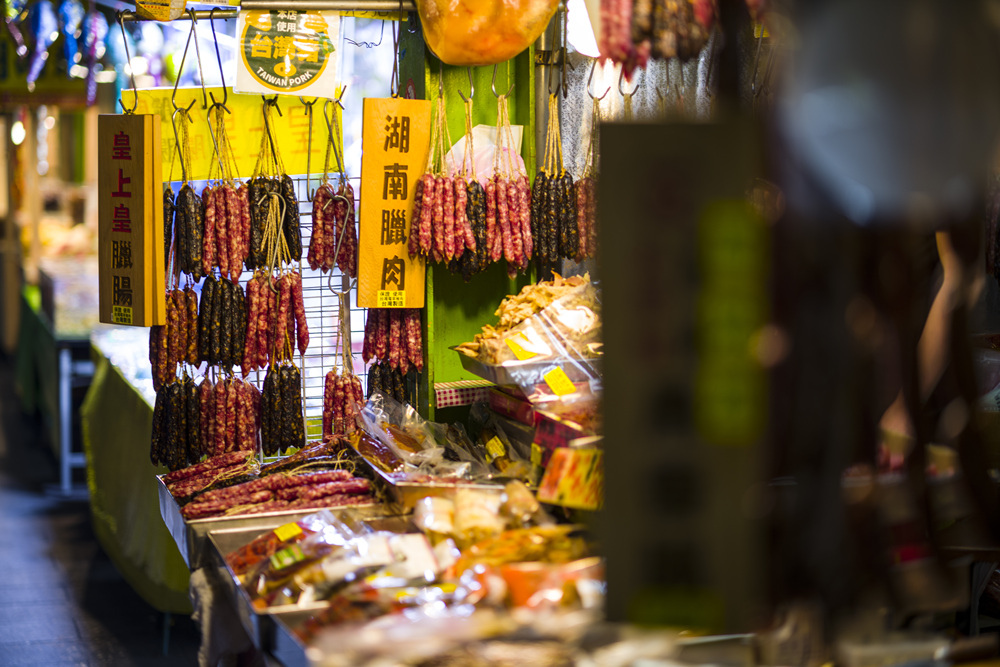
(395, 139)
(130, 221)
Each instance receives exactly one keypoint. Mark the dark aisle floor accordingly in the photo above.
(62, 602)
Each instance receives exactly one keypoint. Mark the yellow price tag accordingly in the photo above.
(536, 454)
(121, 314)
(519, 351)
(559, 382)
(288, 531)
(388, 298)
(495, 448)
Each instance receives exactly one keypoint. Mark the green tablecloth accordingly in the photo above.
(37, 364)
(124, 504)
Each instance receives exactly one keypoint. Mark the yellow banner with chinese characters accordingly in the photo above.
(244, 127)
(395, 140)
(131, 273)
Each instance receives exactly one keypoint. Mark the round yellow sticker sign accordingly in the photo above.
(285, 50)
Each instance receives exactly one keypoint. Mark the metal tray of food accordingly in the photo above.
(191, 537)
(272, 629)
(404, 493)
(520, 374)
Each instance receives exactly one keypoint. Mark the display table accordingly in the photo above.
(117, 419)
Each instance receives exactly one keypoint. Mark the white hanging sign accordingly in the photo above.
(287, 52)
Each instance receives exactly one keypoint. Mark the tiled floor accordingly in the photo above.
(61, 600)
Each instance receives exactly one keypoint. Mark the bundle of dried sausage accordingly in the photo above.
(290, 222)
(394, 335)
(175, 440)
(281, 410)
(322, 230)
(387, 380)
(168, 223)
(188, 231)
(342, 397)
(347, 255)
(176, 342)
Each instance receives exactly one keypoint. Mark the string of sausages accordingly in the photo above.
(394, 336)
(334, 240)
(388, 380)
(281, 425)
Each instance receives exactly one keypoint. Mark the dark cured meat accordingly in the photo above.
(290, 223)
(492, 231)
(168, 223)
(539, 199)
(413, 241)
(228, 324)
(301, 323)
(157, 442)
(448, 204)
(196, 230)
(240, 319)
(176, 450)
(374, 379)
(155, 332)
(368, 347)
(274, 289)
(193, 407)
(291, 412)
(272, 412)
(218, 314)
(182, 254)
(567, 219)
(257, 202)
(476, 211)
(215, 232)
(430, 200)
(551, 218)
(414, 344)
(464, 238)
(398, 386)
(253, 415)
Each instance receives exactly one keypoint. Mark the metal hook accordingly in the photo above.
(493, 84)
(218, 58)
(197, 55)
(180, 71)
(337, 101)
(590, 78)
(272, 102)
(621, 77)
(177, 136)
(472, 88)
(128, 59)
